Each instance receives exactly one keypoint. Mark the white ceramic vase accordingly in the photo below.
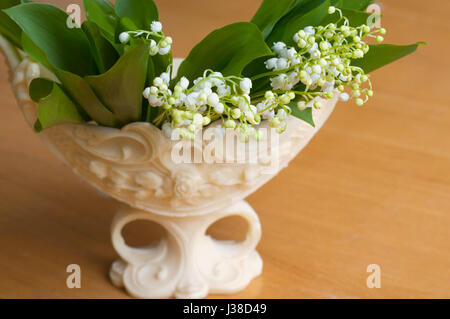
(135, 166)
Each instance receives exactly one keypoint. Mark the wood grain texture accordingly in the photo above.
(372, 188)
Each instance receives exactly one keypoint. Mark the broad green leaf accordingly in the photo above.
(352, 4)
(124, 24)
(141, 12)
(121, 87)
(80, 91)
(40, 88)
(305, 115)
(8, 28)
(269, 13)
(104, 53)
(102, 13)
(46, 26)
(227, 50)
(161, 63)
(151, 113)
(151, 72)
(257, 66)
(89, 106)
(383, 54)
(54, 106)
(35, 52)
(310, 14)
(355, 17)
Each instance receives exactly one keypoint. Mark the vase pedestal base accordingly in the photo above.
(186, 263)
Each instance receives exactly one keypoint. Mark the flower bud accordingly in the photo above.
(301, 44)
(202, 97)
(274, 122)
(230, 124)
(301, 105)
(146, 93)
(324, 45)
(236, 113)
(213, 99)
(163, 44)
(344, 97)
(154, 51)
(156, 26)
(184, 83)
(206, 120)
(219, 108)
(154, 90)
(124, 37)
(284, 99)
(157, 81)
(357, 54)
(269, 95)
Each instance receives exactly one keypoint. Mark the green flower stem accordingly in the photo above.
(148, 34)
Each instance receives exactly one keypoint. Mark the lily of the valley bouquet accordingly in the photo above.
(117, 67)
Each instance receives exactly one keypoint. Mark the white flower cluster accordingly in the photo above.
(319, 66)
(321, 62)
(162, 47)
(211, 97)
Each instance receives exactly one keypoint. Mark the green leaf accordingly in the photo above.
(312, 13)
(383, 54)
(305, 115)
(54, 107)
(151, 113)
(141, 12)
(227, 50)
(121, 87)
(89, 106)
(104, 53)
(161, 63)
(151, 72)
(80, 91)
(256, 67)
(8, 28)
(269, 13)
(352, 4)
(102, 13)
(35, 52)
(46, 26)
(124, 24)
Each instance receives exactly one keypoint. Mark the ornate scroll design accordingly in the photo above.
(187, 263)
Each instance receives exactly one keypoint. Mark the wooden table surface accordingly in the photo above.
(372, 188)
